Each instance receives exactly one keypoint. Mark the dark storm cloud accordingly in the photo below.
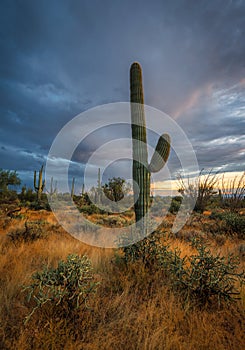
(61, 57)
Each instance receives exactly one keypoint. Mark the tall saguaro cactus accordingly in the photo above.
(40, 184)
(141, 169)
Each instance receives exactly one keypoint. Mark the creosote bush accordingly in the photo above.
(69, 286)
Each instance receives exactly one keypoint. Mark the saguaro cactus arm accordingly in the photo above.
(161, 154)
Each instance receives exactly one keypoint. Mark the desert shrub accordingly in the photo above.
(188, 236)
(232, 194)
(175, 204)
(8, 196)
(90, 209)
(220, 239)
(129, 213)
(68, 287)
(27, 195)
(86, 226)
(241, 251)
(215, 227)
(164, 225)
(202, 277)
(115, 221)
(40, 205)
(31, 232)
(200, 191)
(216, 215)
(211, 276)
(171, 263)
(145, 250)
(228, 223)
(235, 223)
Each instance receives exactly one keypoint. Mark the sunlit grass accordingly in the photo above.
(133, 309)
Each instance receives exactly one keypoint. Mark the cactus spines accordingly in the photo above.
(40, 184)
(141, 169)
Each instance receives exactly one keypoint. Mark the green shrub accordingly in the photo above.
(40, 205)
(212, 276)
(215, 227)
(27, 195)
(115, 221)
(90, 209)
(175, 204)
(201, 277)
(145, 250)
(235, 223)
(226, 223)
(8, 196)
(69, 286)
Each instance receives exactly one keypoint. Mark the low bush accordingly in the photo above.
(235, 224)
(201, 278)
(226, 223)
(8, 196)
(40, 205)
(67, 287)
(211, 276)
(175, 204)
(90, 209)
(145, 250)
(31, 232)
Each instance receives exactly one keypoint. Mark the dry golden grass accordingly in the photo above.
(133, 308)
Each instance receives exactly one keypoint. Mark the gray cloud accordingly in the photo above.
(60, 58)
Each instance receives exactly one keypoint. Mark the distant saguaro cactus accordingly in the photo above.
(99, 188)
(40, 184)
(53, 188)
(73, 187)
(141, 169)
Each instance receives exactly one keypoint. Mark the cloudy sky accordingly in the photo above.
(59, 58)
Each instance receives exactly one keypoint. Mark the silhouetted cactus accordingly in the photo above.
(141, 169)
(73, 187)
(40, 185)
(83, 190)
